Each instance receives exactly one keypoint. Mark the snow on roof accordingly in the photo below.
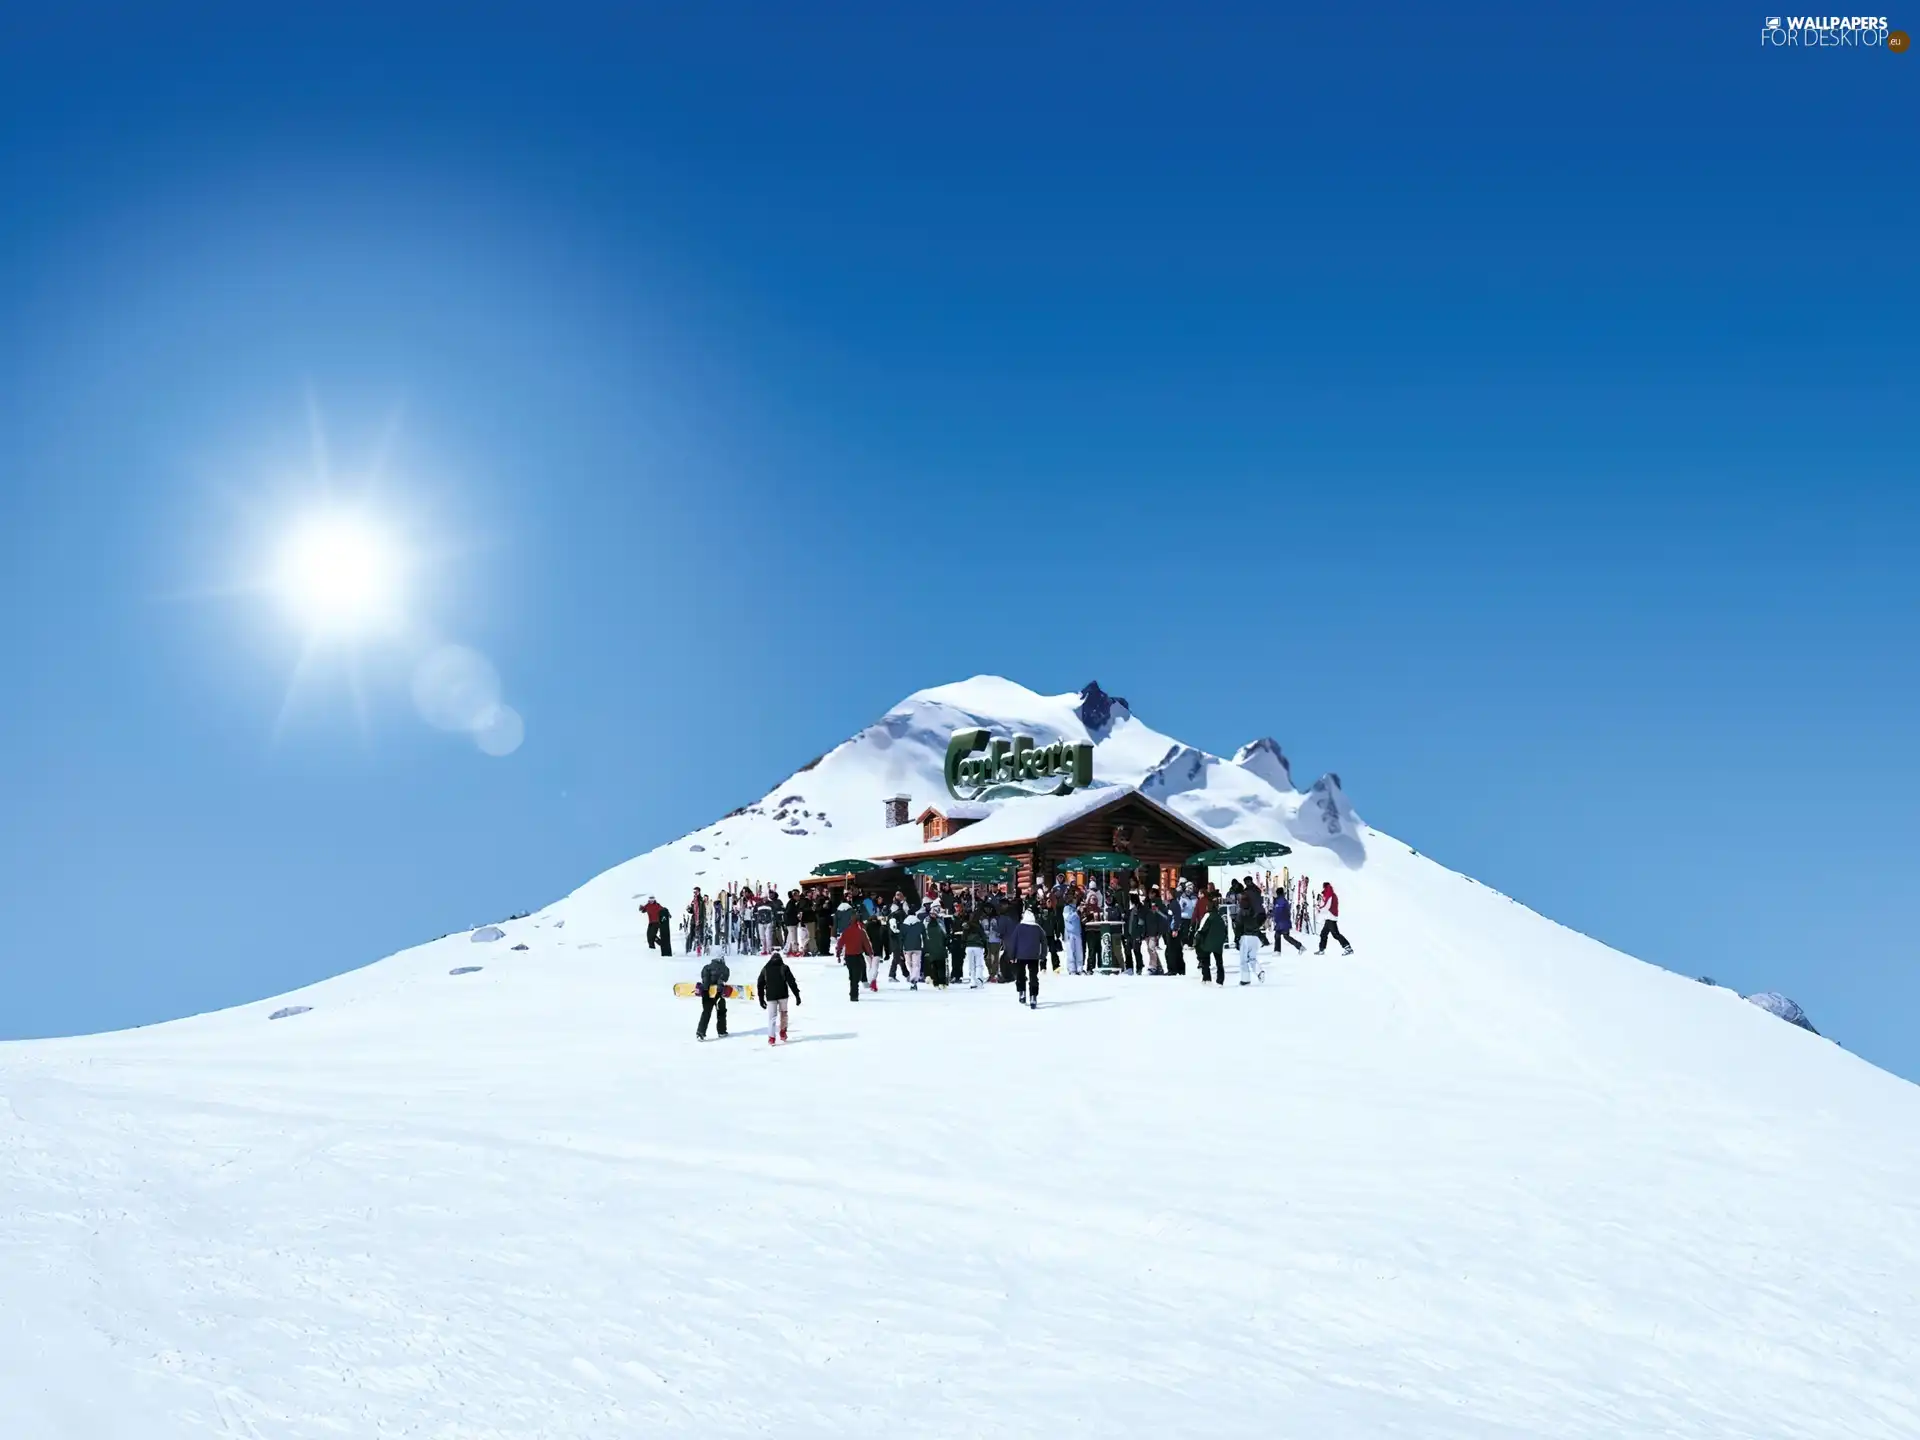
(1014, 822)
(958, 810)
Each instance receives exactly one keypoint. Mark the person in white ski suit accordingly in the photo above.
(1249, 918)
(1076, 940)
(975, 941)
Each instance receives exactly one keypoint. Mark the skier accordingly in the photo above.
(1210, 940)
(1025, 946)
(776, 983)
(1076, 940)
(713, 997)
(973, 939)
(853, 947)
(913, 945)
(1283, 922)
(1330, 920)
(1249, 920)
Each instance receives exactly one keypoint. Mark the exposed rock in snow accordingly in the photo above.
(1265, 759)
(1096, 706)
(466, 970)
(487, 933)
(1325, 818)
(285, 1010)
(1774, 1003)
(1181, 769)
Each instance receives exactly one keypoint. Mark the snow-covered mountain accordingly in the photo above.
(1486, 1178)
(833, 808)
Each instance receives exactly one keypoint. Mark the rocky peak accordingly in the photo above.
(1265, 758)
(1097, 707)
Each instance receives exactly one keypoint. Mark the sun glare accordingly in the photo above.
(340, 575)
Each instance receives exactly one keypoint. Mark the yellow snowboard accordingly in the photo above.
(688, 989)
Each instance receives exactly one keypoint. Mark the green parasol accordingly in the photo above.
(935, 869)
(988, 867)
(1249, 851)
(1104, 862)
(843, 867)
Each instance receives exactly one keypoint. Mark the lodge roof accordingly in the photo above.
(1031, 818)
(958, 810)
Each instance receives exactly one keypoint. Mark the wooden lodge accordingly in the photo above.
(1040, 832)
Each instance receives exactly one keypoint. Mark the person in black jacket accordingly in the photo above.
(713, 997)
(1134, 934)
(776, 985)
(1000, 937)
(1025, 946)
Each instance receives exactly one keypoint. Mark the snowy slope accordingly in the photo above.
(1487, 1178)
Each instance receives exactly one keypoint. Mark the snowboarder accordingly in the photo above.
(1330, 920)
(853, 947)
(1026, 944)
(713, 997)
(1249, 921)
(775, 985)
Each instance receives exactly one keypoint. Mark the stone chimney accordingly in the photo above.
(897, 810)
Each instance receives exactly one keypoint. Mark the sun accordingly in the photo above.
(340, 574)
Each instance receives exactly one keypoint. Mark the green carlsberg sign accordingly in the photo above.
(979, 768)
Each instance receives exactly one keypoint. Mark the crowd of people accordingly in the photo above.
(977, 936)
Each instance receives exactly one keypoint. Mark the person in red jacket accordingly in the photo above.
(658, 936)
(1330, 920)
(854, 947)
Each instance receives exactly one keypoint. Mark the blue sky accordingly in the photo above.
(1510, 411)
